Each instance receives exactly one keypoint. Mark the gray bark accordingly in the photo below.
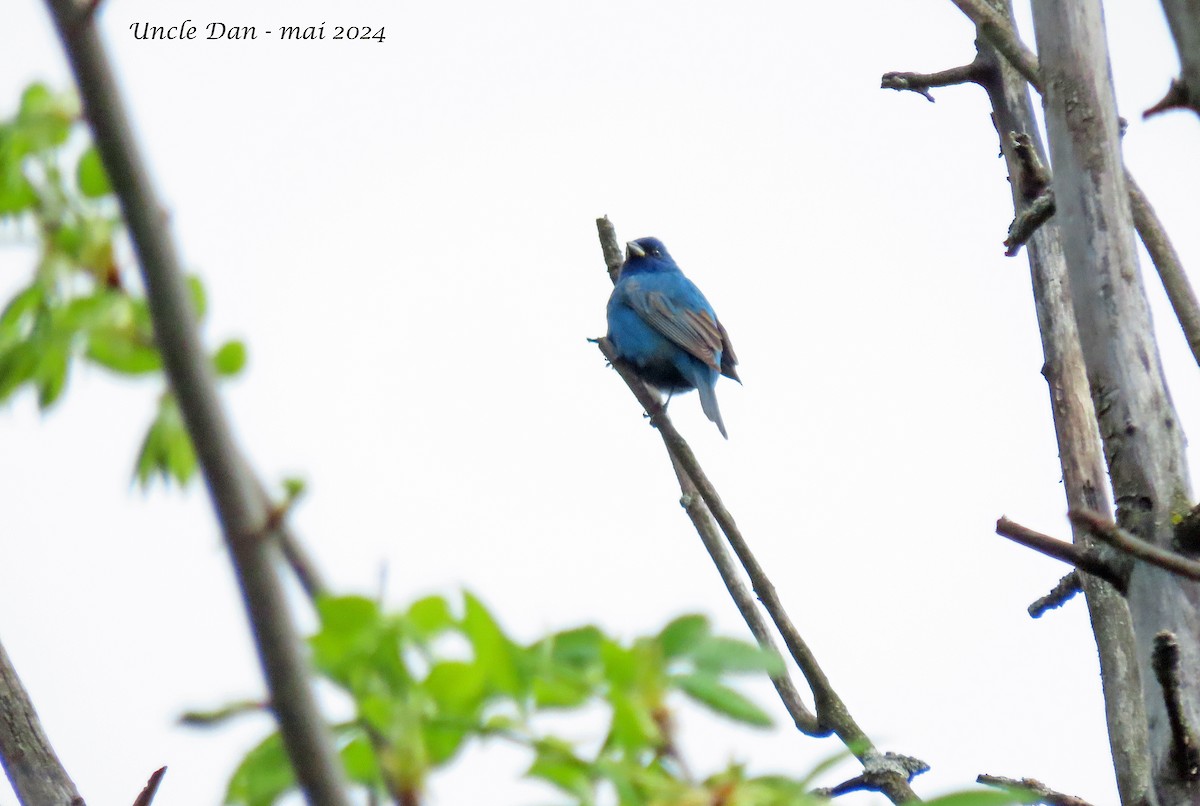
(1079, 447)
(1143, 441)
(33, 768)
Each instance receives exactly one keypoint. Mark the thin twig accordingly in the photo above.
(805, 721)
(1062, 592)
(921, 83)
(151, 789)
(1027, 222)
(1165, 661)
(1104, 529)
(1167, 263)
(33, 768)
(1035, 787)
(237, 496)
(1083, 557)
(832, 713)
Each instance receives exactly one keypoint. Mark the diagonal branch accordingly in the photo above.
(1084, 557)
(832, 714)
(1034, 787)
(33, 768)
(242, 508)
(1104, 529)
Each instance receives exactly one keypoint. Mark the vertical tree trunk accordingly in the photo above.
(1079, 448)
(1143, 441)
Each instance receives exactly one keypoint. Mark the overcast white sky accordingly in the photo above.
(403, 233)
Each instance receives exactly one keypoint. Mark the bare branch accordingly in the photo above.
(1059, 595)
(692, 502)
(997, 29)
(1165, 661)
(876, 767)
(1027, 222)
(1104, 529)
(151, 789)
(1183, 16)
(832, 714)
(1167, 263)
(32, 767)
(1044, 793)
(237, 496)
(1083, 557)
(921, 83)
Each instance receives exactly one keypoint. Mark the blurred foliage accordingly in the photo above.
(80, 304)
(427, 681)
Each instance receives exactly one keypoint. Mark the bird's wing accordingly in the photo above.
(694, 330)
(728, 358)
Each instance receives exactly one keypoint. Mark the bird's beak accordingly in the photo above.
(633, 250)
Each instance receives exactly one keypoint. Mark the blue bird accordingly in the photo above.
(661, 324)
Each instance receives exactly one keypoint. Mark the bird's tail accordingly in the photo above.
(708, 402)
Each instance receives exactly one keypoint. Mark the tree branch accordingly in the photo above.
(1059, 595)
(1112, 534)
(921, 83)
(242, 509)
(32, 767)
(151, 789)
(1082, 556)
(1165, 660)
(1035, 787)
(831, 712)
(1183, 17)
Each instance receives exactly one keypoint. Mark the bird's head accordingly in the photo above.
(648, 254)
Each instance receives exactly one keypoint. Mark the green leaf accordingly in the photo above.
(578, 648)
(683, 634)
(199, 296)
(90, 175)
(362, 767)
(561, 688)
(457, 687)
(263, 776)
(708, 690)
(429, 617)
(293, 488)
(230, 359)
(122, 351)
(562, 769)
(51, 373)
(45, 118)
(716, 654)
(633, 727)
(17, 318)
(166, 450)
(494, 652)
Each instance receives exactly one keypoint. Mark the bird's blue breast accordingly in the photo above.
(659, 360)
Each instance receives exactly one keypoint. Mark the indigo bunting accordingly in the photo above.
(663, 326)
